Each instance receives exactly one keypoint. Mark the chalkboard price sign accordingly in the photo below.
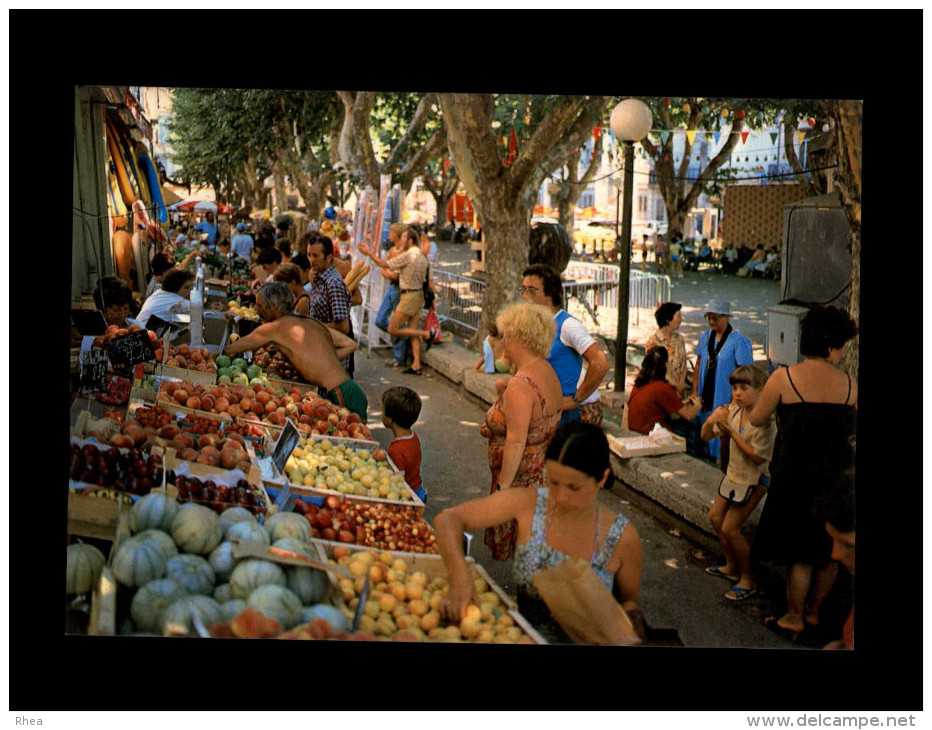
(289, 438)
(126, 351)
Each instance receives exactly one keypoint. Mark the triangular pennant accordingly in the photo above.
(801, 136)
(690, 135)
(664, 136)
(717, 136)
(744, 137)
(773, 137)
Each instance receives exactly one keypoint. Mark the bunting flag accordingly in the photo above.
(664, 136)
(801, 135)
(773, 137)
(512, 148)
(744, 137)
(595, 133)
(690, 135)
(717, 136)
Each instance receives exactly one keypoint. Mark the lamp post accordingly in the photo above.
(630, 122)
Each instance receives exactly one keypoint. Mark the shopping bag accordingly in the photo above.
(583, 606)
(432, 324)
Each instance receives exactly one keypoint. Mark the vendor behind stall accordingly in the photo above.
(171, 299)
(113, 298)
(312, 348)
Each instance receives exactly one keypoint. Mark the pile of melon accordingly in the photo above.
(180, 565)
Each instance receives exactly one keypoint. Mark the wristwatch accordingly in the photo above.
(575, 399)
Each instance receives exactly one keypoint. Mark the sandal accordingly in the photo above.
(717, 571)
(429, 342)
(738, 594)
(411, 371)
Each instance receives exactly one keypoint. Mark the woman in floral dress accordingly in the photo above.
(520, 424)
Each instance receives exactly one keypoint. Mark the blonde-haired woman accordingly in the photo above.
(520, 424)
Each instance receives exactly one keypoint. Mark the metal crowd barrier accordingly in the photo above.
(586, 285)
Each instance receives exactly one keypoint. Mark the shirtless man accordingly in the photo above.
(314, 350)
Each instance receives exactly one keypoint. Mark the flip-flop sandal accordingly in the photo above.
(717, 571)
(739, 594)
(411, 371)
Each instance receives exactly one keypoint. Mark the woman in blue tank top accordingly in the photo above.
(563, 519)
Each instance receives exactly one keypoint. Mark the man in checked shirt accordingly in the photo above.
(330, 299)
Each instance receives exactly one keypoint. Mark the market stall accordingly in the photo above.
(208, 498)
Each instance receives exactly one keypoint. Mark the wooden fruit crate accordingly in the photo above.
(98, 518)
(278, 479)
(433, 567)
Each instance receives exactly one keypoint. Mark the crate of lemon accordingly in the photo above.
(405, 597)
(351, 468)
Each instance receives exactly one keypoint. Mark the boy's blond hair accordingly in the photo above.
(748, 375)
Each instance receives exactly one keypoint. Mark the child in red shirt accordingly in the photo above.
(400, 408)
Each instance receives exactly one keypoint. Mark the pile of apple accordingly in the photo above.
(406, 606)
(370, 524)
(311, 414)
(276, 363)
(321, 464)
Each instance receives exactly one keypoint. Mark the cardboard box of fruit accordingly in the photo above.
(406, 593)
(354, 469)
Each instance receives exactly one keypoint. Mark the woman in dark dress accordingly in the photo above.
(815, 405)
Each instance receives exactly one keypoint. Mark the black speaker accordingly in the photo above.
(816, 253)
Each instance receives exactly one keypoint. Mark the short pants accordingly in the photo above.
(350, 396)
(411, 303)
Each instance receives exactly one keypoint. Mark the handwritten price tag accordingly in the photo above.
(126, 351)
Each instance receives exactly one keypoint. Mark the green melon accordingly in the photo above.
(84, 563)
(151, 601)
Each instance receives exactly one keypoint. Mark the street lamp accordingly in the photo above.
(630, 122)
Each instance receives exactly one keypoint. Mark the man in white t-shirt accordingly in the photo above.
(242, 243)
(575, 356)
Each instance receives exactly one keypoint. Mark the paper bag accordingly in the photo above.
(583, 606)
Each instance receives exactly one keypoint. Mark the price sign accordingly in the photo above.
(130, 349)
(288, 439)
(93, 371)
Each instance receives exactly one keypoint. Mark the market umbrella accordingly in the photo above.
(204, 206)
(264, 213)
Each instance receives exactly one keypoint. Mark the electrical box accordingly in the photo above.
(783, 324)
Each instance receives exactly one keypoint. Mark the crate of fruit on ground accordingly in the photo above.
(406, 593)
(354, 469)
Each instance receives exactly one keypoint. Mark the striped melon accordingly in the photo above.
(331, 614)
(162, 539)
(232, 608)
(155, 511)
(136, 562)
(308, 584)
(222, 561)
(276, 602)
(83, 571)
(177, 619)
(251, 573)
(246, 532)
(233, 515)
(150, 602)
(196, 529)
(288, 524)
(222, 593)
(193, 572)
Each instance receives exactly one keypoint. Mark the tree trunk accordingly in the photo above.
(278, 175)
(572, 189)
(503, 197)
(849, 146)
